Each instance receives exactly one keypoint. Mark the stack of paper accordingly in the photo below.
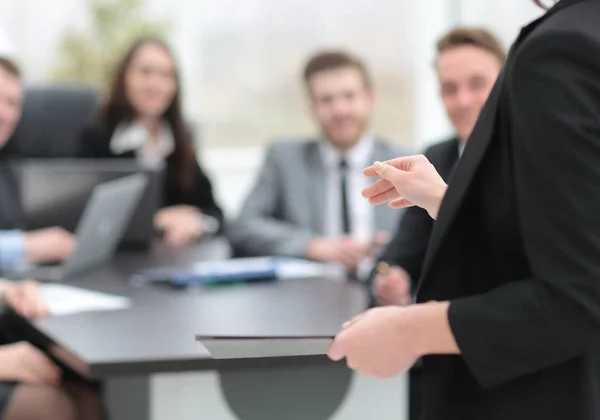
(240, 270)
(291, 269)
(66, 300)
(281, 268)
(234, 267)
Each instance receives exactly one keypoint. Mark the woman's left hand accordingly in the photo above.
(181, 225)
(24, 297)
(378, 343)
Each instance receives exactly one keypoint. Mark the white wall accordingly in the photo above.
(241, 59)
(33, 27)
(430, 123)
(396, 36)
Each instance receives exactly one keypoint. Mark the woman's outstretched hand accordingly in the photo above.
(404, 182)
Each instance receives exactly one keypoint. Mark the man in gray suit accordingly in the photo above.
(16, 245)
(307, 199)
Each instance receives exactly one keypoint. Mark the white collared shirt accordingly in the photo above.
(133, 136)
(360, 211)
(362, 216)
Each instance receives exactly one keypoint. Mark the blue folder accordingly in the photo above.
(239, 270)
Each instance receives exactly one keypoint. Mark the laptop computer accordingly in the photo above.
(54, 192)
(98, 231)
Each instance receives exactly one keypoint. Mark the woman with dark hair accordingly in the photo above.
(508, 315)
(142, 119)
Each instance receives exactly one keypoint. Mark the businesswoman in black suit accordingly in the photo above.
(508, 319)
(142, 119)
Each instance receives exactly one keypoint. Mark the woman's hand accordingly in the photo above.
(24, 297)
(378, 343)
(22, 362)
(405, 182)
(181, 225)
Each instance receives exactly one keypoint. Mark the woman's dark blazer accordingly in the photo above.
(516, 245)
(95, 143)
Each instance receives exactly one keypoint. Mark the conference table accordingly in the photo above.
(125, 349)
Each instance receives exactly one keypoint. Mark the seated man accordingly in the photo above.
(307, 200)
(468, 63)
(30, 384)
(16, 246)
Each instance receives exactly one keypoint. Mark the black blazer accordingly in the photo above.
(95, 143)
(408, 246)
(516, 245)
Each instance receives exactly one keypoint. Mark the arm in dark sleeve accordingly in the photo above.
(408, 245)
(203, 196)
(553, 317)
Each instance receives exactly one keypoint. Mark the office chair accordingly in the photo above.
(53, 117)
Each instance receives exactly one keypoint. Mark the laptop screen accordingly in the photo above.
(54, 192)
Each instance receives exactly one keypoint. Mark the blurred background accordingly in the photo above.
(241, 59)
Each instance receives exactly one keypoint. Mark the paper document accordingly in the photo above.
(291, 268)
(66, 300)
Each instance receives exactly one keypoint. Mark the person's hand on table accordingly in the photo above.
(392, 286)
(181, 225)
(345, 250)
(24, 298)
(378, 244)
(50, 244)
(405, 182)
(24, 363)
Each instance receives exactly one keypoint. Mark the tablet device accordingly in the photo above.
(246, 347)
(15, 328)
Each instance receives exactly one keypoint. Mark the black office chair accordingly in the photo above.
(53, 117)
